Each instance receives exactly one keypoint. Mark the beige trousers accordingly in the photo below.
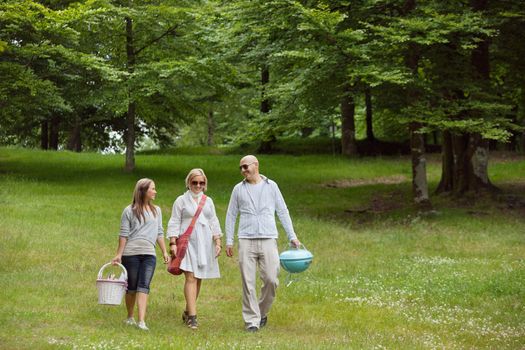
(261, 253)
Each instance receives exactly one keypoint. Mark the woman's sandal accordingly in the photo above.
(192, 322)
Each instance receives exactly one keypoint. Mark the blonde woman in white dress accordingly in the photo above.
(204, 247)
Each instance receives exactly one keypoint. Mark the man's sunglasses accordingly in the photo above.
(245, 166)
(195, 183)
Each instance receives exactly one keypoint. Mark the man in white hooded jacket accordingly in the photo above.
(256, 200)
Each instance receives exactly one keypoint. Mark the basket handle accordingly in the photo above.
(100, 272)
(290, 245)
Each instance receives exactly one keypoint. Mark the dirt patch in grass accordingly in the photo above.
(383, 180)
(382, 203)
(510, 199)
(387, 202)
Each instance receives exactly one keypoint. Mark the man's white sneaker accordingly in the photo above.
(142, 325)
(130, 322)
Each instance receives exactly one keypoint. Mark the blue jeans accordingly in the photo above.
(140, 272)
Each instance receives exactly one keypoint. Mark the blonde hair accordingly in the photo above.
(193, 173)
(139, 205)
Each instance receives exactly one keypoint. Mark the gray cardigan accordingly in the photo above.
(149, 229)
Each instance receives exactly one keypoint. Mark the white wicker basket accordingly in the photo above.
(111, 291)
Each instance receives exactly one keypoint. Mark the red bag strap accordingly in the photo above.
(196, 216)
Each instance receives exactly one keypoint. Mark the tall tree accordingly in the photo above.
(41, 66)
(478, 165)
(475, 112)
(169, 76)
(417, 145)
(442, 37)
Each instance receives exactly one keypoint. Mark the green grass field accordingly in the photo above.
(383, 276)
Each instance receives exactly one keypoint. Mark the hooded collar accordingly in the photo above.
(264, 178)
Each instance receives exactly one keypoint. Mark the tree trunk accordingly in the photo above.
(471, 159)
(53, 133)
(306, 131)
(265, 79)
(348, 142)
(419, 167)
(522, 146)
(464, 168)
(211, 128)
(521, 116)
(446, 184)
(417, 145)
(44, 134)
(478, 164)
(74, 142)
(480, 61)
(130, 138)
(130, 116)
(266, 145)
(332, 134)
(460, 173)
(369, 125)
(520, 143)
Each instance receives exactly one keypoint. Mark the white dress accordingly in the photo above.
(200, 255)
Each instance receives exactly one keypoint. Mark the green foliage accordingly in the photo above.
(18, 117)
(314, 48)
(82, 48)
(44, 45)
(193, 57)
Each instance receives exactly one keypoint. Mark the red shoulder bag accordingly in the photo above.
(182, 242)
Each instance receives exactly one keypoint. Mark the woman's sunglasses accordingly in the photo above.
(195, 183)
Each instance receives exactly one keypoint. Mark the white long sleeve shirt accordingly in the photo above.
(257, 217)
(184, 209)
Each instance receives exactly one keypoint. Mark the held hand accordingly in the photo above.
(229, 251)
(166, 257)
(173, 250)
(117, 259)
(295, 243)
(218, 250)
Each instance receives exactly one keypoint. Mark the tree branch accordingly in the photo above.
(153, 41)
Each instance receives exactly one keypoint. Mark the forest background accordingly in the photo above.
(361, 77)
